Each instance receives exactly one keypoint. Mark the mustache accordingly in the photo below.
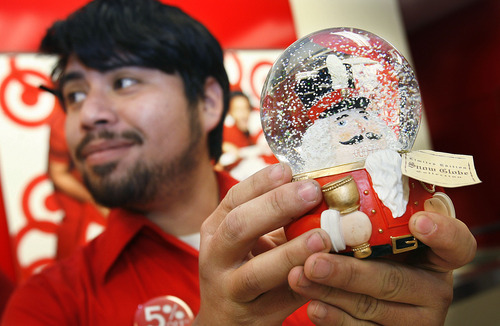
(108, 135)
(359, 138)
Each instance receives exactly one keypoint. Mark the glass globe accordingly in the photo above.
(337, 95)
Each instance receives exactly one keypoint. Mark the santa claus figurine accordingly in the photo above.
(352, 106)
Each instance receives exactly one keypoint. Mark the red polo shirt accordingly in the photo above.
(104, 283)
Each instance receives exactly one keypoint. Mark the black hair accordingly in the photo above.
(108, 34)
(236, 94)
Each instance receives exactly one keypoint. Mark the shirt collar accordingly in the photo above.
(122, 227)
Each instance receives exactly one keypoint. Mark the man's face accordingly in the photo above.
(130, 131)
(240, 109)
(355, 134)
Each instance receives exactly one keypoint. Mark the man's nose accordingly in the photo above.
(97, 110)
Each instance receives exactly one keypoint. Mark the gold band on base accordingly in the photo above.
(362, 251)
(330, 171)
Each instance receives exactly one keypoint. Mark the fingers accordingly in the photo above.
(451, 243)
(240, 226)
(391, 281)
(261, 213)
(263, 272)
(321, 313)
(366, 310)
(256, 290)
(270, 241)
(380, 291)
(258, 184)
(272, 308)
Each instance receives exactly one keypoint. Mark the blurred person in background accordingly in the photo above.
(245, 150)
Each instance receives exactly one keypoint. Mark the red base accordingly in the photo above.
(385, 228)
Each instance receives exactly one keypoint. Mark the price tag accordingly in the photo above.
(441, 169)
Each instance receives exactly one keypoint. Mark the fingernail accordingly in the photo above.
(315, 242)
(303, 282)
(321, 269)
(276, 172)
(424, 225)
(319, 311)
(308, 191)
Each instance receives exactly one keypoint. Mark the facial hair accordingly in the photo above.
(144, 180)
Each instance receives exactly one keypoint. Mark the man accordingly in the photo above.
(145, 93)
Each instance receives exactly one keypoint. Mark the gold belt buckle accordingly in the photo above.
(399, 245)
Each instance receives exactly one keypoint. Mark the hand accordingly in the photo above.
(244, 267)
(348, 291)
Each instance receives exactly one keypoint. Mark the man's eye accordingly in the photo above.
(341, 123)
(124, 83)
(74, 97)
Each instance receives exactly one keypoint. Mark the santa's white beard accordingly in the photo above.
(321, 147)
(388, 181)
(318, 149)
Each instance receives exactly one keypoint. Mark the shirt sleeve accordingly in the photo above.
(40, 302)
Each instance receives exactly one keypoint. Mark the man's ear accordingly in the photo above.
(213, 104)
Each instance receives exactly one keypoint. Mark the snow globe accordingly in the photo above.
(340, 106)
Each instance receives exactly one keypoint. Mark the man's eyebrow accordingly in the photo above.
(69, 77)
(342, 117)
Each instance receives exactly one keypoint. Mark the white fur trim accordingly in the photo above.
(330, 222)
(384, 168)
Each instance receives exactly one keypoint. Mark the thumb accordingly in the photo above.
(450, 240)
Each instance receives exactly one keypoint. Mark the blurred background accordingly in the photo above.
(453, 45)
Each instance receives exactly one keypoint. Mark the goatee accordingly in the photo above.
(144, 182)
